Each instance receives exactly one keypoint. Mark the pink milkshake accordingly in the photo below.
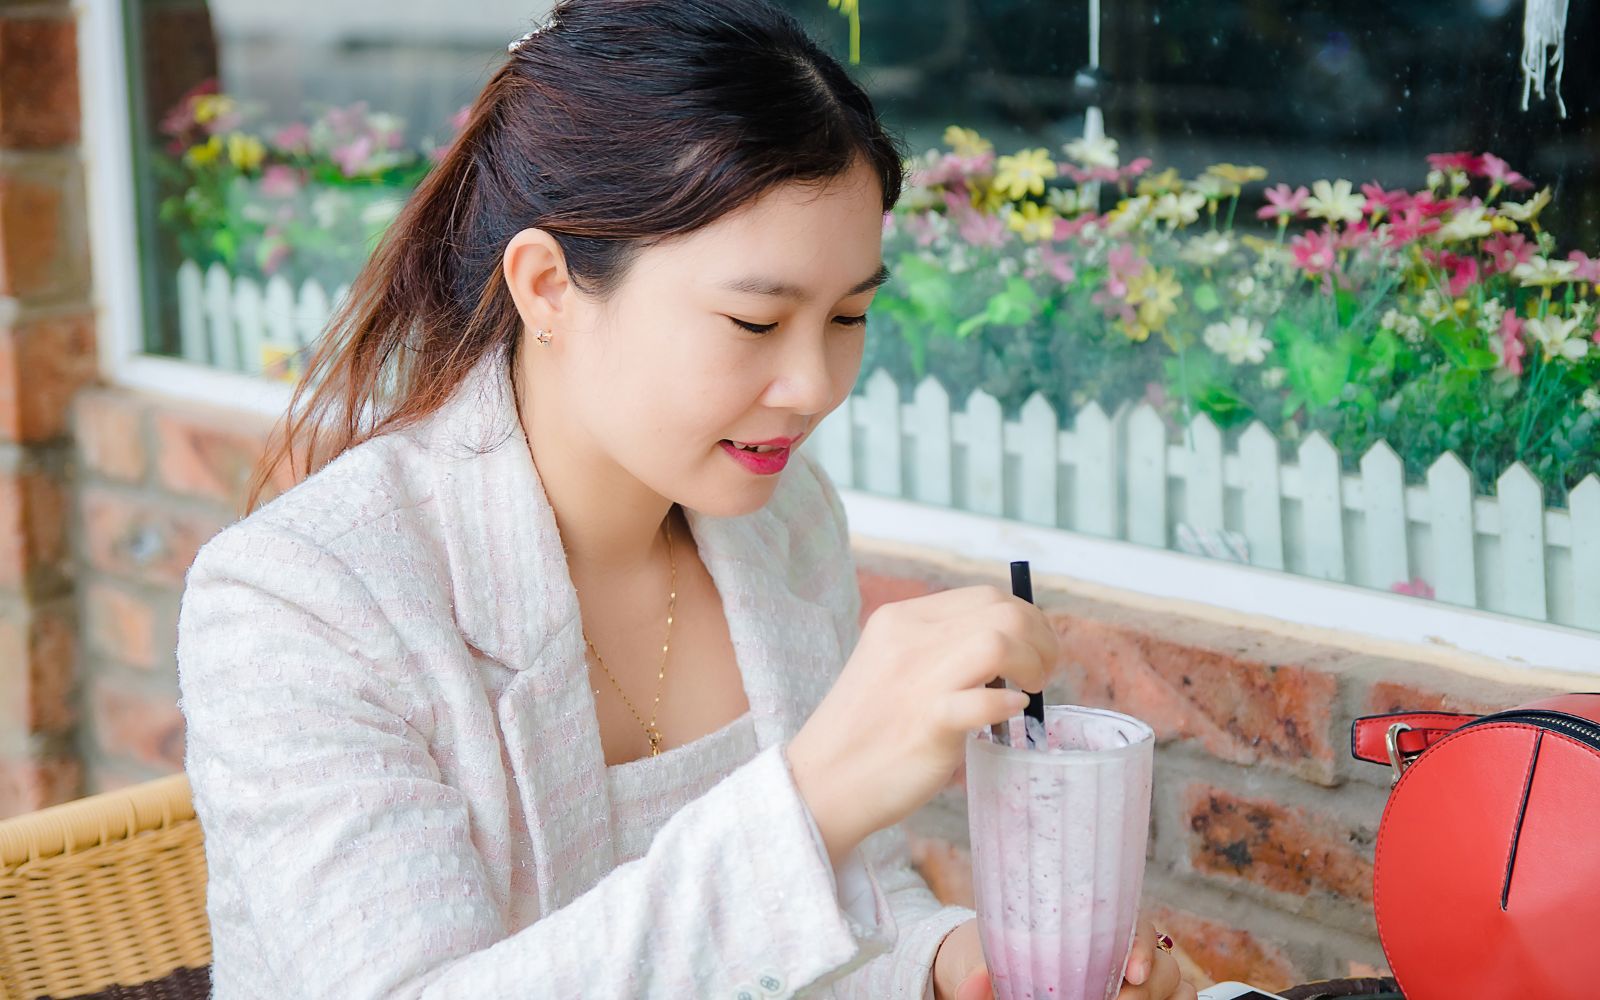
(1058, 850)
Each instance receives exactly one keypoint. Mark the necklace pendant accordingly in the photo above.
(655, 742)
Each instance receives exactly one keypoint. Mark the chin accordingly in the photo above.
(735, 502)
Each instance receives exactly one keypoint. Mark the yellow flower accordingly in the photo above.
(966, 141)
(245, 152)
(987, 198)
(204, 154)
(1155, 292)
(1234, 174)
(1136, 332)
(1501, 224)
(1024, 173)
(1161, 183)
(1034, 221)
(208, 107)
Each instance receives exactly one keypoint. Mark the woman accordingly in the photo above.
(537, 687)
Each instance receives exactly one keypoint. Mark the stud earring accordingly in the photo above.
(543, 336)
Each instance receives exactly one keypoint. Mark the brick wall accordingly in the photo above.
(46, 353)
(1262, 825)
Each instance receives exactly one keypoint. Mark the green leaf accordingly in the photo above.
(1205, 298)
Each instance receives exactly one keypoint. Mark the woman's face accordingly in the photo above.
(748, 330)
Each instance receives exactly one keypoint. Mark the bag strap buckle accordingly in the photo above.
(1397, 759)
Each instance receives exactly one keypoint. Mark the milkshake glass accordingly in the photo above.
(1058, 851)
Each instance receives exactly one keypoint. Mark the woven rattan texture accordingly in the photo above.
(105, 891)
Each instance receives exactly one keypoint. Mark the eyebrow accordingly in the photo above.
(784, 290)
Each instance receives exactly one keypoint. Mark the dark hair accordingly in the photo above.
(625, 123)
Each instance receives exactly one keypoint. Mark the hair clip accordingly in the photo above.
(512, 48)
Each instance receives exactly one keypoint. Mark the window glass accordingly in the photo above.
(1301, 285)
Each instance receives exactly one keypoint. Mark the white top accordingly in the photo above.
(395, 759)
(646, 792)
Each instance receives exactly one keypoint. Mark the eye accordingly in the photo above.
(769, 327)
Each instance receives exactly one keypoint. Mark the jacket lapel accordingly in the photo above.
(515, 603)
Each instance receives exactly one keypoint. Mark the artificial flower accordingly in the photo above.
(1334, 202)
(1239, 340)
(1024, 173)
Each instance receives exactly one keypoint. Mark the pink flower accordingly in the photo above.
(280, 181)
(1355, 236)
(922, 227)
(352, 157)
(1313, 252)
(1283, 203)
(1414, 587)
(1588, 268)
(1470, 163)
(1463, 270)
(1136, 167)
(1057, 265)
(952, 168)
(292, 138)
(975, 227)
(1408, 227)
(1125, 264)
(1433, 207)
(1500, 173)
(1380, 201)
(1512, 347)
(1109, 175)
(1066, 229)
(1506, 251)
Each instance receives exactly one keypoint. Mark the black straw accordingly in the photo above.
(1022, 586)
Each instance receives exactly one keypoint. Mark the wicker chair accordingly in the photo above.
(105, 897)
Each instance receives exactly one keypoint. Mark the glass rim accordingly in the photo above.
(984, 743)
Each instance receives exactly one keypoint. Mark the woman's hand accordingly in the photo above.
(893, 728)
(960, 973)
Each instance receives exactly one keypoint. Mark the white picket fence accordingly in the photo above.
(1121, 476)
(1113, 475)
(239, 324)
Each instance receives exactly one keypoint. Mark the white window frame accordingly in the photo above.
(1139, 570)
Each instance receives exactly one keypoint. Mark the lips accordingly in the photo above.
(767, 460)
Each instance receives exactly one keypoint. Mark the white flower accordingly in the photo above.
(1273, 377)
(1207, 249)
(1555, 336)
(1101, 152)
(1244, 285)
(1581, 311)
(1590, 400)
(1335, 202)
(1435, 179)
(1239, 339)
(1214, 188)
(1490, 314)
(1063, 200)
(1544, 271)
(1528, 210)
(1434, 307)
(1006, 267)
(1179, 209)
(1390, 320)
(1126, 217)
(1466, 224)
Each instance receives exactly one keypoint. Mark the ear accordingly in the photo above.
(535, 271)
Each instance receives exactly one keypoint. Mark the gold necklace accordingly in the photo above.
(661, 675)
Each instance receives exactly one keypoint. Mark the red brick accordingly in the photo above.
(1220, 952)
(38, 81)
(109, 430)
(26, 785)
(1281, 848)
(1385, 697)
(945, 867)
(141, 539)
(37, 650)
(880, 588)
(1241, 704)
(137, 726)
(204, 454)
(126, 626)
(30, 236)
(33, 516)
(43, 363)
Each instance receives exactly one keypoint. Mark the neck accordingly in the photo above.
(610, 523)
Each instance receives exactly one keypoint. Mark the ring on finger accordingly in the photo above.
(1164, 941)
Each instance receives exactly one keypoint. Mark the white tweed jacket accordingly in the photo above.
(395, 759)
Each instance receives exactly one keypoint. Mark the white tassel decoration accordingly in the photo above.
(1544, 27)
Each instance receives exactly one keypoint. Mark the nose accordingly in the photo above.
(803, 381)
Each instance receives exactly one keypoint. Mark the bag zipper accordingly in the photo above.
(1582, 729)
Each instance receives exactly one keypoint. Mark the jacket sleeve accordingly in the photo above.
(922, 922)
(327, 825)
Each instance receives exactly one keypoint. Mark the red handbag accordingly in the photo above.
(1487, 876)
